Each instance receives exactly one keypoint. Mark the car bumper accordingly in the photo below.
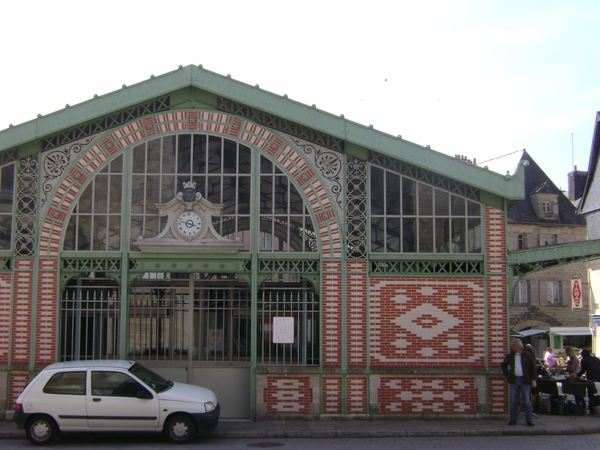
(208, 422)
(20, 418)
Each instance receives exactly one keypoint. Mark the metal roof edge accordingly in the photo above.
(509, 187)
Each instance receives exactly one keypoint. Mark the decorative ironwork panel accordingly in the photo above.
(329, 164)
(107, 122)
(356, 208)
(424, 175)
(26, 211)
(5, 264)
(297, 267)
(87, 265)
(54, 164)
(390, 267)
(280, 124)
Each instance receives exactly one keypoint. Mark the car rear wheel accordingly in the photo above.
(41, 430)
(180, 429)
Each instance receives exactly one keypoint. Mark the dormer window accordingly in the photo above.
(547, 207)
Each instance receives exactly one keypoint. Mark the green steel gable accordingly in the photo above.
(29, 137)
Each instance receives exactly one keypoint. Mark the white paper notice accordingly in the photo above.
(283, 330)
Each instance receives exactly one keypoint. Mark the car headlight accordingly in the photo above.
(209, 406)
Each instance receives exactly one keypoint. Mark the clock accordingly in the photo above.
(189, 223)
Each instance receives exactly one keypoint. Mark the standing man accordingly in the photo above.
(519, 369)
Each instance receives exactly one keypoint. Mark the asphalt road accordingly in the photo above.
(118, 441)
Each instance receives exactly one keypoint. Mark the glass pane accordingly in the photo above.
(229, 195)
(442, 235)
(243, 204)
(167, 190)
(152, 194)
(229, 156)
(114, 233)
(392, 240)
(168, 156)
(139, 159)
(214, 155)
(245, 160)
(184, 154)
(442, 202)
(458, 235)
(377, 234)
(310, 241)
(116, 166)
(458, 206)
(266, 166)
(473, 209)
(99, 233)
(296, 202)
(409, 197)
(392, 194)
(425, 200)
(85, 201)
(409, 234)
(7, 188)
(281, 195)
(474, 235)
(266, 195)
(377, 193)
(138, 183)
(425, 235)
(116, 191)
(199, 154)
(101, 194)
(213, 192)
(153, 158)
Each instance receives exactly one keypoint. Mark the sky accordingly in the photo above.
(468, 77)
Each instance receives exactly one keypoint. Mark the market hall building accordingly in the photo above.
(295, 262)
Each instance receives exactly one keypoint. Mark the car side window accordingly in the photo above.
(66, 383)
(114, 384)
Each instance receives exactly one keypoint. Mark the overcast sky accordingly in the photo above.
(472, 77)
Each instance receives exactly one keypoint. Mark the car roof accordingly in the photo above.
(84, 364)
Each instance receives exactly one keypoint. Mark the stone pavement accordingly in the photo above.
(495, 426)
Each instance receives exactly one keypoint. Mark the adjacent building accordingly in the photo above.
(542, 308)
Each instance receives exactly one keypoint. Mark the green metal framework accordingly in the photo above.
(280, 124)
(106, 123)
(424, 175)
(524, 262)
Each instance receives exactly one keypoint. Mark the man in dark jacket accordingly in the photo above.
(590, 366)
(519, 368)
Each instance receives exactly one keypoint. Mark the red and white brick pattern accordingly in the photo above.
(288, 395)
(426, 321)
(410, 395)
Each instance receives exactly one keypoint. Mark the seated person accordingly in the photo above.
(573, 365)
(550, 360)
(590, 367)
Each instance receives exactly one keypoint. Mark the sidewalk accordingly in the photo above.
(544, 425)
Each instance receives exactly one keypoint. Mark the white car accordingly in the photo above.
(112, 395)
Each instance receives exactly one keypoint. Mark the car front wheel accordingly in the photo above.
(180, 429)
(41, 430)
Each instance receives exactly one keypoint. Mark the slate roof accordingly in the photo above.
(536, 181)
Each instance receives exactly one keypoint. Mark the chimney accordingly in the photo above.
(576, 184)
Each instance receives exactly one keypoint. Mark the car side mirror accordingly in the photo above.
(144, 395)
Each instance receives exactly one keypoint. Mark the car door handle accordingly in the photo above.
(96, 399)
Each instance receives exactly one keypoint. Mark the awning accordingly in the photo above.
(571, 331)
(532, 331)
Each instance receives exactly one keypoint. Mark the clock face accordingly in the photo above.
(189, 223)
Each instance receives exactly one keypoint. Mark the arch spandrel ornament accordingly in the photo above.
(92, 159)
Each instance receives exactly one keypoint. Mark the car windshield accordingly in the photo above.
(155, 381)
